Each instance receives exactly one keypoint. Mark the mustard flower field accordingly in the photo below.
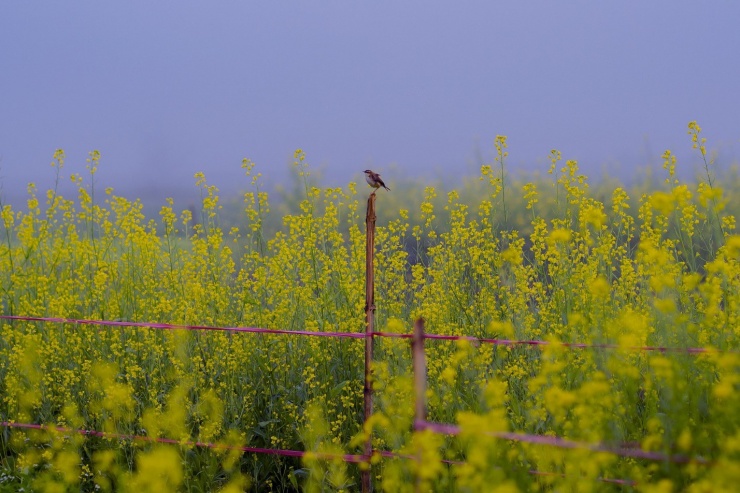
(603, 355)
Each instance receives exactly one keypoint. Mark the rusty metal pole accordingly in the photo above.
(367, 483)
(420, 388)
(420, 375)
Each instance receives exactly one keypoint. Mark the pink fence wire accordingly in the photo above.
(360, 335)
(187, 443)
(635, 453)
(150, 325)
(349, 458)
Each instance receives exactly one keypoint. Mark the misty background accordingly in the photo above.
(413, 89)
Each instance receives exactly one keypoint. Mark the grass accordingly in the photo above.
(547, 260)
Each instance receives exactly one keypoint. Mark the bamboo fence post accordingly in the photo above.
(420, 387)
(367, 485)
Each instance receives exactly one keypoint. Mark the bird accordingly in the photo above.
(374, 180)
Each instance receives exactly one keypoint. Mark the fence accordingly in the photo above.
(417, 339)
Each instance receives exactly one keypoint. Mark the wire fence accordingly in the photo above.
(553, 441)
(349, 458)
(441, 428)
(360, 335)
(185, 443)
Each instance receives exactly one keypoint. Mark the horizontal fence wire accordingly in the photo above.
(362, 335)
(553, 441)
(161, 326)
(349, 458)
(352, 458)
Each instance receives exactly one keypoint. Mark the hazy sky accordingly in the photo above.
(164, 89)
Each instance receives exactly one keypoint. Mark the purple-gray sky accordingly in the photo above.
(165, 89)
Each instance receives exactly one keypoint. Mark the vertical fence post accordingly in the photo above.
(367, 484)
(420, 387)
(420, 375)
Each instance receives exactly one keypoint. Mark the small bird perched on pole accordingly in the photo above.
(374, 180)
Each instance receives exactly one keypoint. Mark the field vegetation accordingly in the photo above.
(550, 259)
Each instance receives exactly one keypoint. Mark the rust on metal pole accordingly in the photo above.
(420, 375)
(367, 484)
(420, 390)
